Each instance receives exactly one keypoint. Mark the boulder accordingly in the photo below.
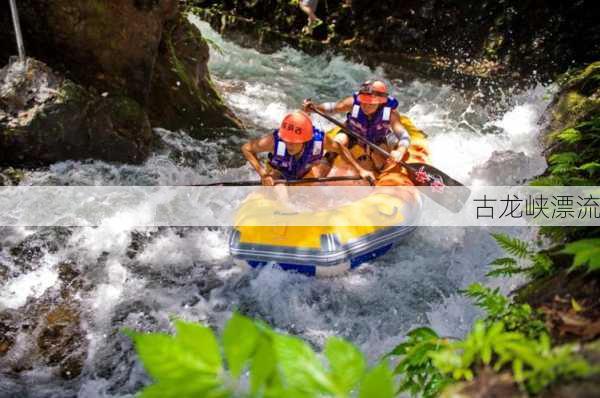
(184, 96)
(46, 118)
(143, 53)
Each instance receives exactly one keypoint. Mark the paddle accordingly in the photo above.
(287, 182)
(420, 174)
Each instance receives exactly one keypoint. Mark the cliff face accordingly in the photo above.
(484, 38)
(143, 52)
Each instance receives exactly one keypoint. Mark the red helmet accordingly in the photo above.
(373, 92)
(296, 128)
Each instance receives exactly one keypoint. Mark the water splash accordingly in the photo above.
(141, 278)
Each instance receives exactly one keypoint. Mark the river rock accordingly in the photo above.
(577, 101)
(493, 171)
(141, 52)
(48, 330)
(50, 118)
(184, 95)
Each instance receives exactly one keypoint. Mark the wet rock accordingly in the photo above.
(11, 176)
(53, 119)
(50, 334)
(493, 171)
(60, 339)
(577, 101)
(135, 51)
(186, 97)
(7, 334)
(3, 273)
(492, 39)
(487, 384)
(28, 254)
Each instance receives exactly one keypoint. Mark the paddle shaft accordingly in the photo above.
(287, 182)
(412, 172)
(355, 135)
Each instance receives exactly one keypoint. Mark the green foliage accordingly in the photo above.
(586, 254)
(575, 153)
(532, 361)
(419, 376)
(517, 317)
(193, 363)
(512, 245)
(539, 264)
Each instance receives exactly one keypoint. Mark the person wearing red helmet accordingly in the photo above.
(372, 113)
(296, 149)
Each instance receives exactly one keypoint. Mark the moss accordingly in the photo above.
(12, 175)
(70, 91)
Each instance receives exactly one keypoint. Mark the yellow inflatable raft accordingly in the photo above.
(338, 239)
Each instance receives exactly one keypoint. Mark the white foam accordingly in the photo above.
(16, 291)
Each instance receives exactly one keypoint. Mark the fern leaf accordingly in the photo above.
(568, 158)
(569, 136)
(590, 167)
(511, 245)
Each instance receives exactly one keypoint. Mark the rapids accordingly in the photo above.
(141, 279)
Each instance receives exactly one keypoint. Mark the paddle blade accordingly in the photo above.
(440, 187)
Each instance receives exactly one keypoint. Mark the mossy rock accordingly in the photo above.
(52, 119)
(184, 96)
(578, 99)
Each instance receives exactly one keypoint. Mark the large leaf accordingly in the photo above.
(200, 342)
(176, 366)
(301, 368)
(187, 388)
(239, 342)
(586, 251)
(263, 366)
(378, 382)
(347, 364)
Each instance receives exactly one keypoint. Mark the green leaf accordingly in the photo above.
(239, 342)
(503, 261)
(263, 365)
(347, 364)
(199, 342)
(164, 359)
(566, 158)
(569, 136)
(378, 382)
(188, 387)
(300, 366)
(423, 333)
(511, 245)
(590, 167)
(586, 251)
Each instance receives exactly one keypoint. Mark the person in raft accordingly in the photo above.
(371, 113)
(295, 150)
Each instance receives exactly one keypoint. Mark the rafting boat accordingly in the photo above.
(338, 239)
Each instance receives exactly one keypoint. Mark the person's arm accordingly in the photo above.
(253, 148)
(334, 146)
(341, 106)
(397, 153)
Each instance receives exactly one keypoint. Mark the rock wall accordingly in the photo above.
(506, 38)
(130, 57)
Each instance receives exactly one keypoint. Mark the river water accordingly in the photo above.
(141, 279)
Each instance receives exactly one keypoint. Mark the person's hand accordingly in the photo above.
(267, 179)
(307, 105)
(367, 175)
(398, 154)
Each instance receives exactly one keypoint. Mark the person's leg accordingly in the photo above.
(309, 7)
